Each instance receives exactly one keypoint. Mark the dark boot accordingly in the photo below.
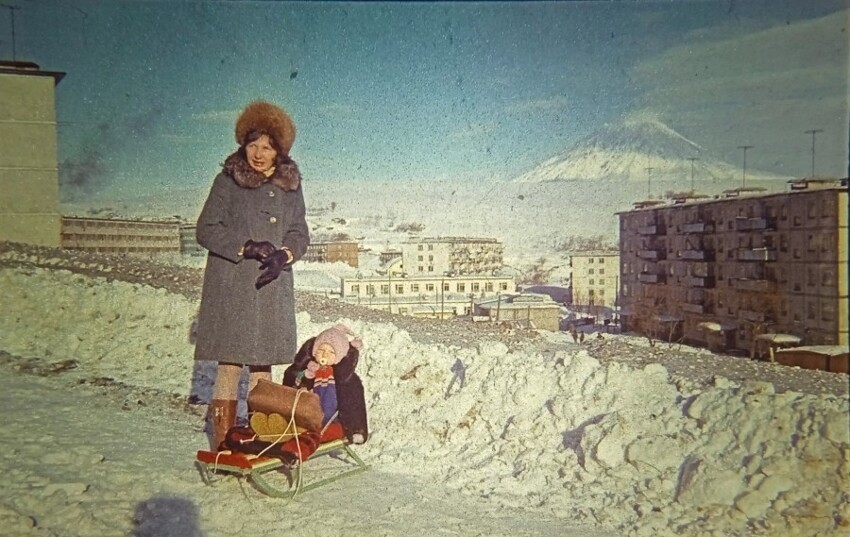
(221, 416)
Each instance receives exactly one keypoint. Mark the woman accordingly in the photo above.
(253, 224)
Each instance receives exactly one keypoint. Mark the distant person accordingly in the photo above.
(253, 225)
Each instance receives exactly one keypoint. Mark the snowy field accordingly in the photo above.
(544, 441)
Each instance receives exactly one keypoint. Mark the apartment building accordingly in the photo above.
(719, 272)
(451, 255)
(595, 278)
(439, 297)
(107, 235)
(29, 173)
(333, 251)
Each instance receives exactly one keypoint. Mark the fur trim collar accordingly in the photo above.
(285, 176)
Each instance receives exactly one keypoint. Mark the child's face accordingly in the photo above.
(325, 354)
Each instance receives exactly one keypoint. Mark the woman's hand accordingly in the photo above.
(257, 250)
(273, 265)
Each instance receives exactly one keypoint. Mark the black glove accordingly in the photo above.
(273, 265)
(257, 250)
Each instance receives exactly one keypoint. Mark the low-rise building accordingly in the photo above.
(333, 251)
(112, 235)
(533, 310)
(424, 296)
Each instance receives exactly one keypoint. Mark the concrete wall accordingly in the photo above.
(29, 178)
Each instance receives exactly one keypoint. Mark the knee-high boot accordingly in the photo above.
(221, 416)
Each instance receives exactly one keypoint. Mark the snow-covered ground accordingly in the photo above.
(543, 441)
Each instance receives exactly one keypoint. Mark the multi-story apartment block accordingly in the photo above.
(188, 241)
(451, 255)
(29, 174)
(595, 278)
(333, 251)
(724, 270)
(424, 296)
(107, 235)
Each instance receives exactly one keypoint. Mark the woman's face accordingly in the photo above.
(261, 155)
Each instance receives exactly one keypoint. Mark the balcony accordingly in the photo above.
(754, 224)
(654, 229)
(698, 227)
(697, 255)
(756, 254)
(698, 281)
(693, 308)
(651, 277)
(652, 255)
(752, 316)
(758, 286)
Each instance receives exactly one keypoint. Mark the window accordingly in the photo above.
(811, 209)
(370, 289)
(385, 289)
(430, 247)
(590, 271)
(429, 287)
(601, 281)
(419, 247)
(445, 287)
(601, 259)
(355, 289)
(430, 268)
(399, 288)
(602, 292)
(601, 271)
(503, 286)
(827, 310)
(488, 287)
(421, 268)
(476, 287)
(430, 258)
(419, 258)
(591, 281)
(590, 260)
(414, 287)
(461, 287)
(811, 310)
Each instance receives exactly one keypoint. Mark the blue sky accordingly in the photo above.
(466, 91)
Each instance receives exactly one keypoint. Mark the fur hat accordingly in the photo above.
(337, 337)
(266, 117)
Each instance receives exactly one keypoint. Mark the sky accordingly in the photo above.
(431, 90)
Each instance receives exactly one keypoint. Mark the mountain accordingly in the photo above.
(624, 150)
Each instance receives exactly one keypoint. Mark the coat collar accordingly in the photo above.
(285, 176)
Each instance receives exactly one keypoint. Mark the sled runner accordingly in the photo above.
(274, 477)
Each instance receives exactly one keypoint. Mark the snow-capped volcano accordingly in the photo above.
(637, 149)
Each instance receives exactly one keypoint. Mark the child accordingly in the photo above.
(325, 364)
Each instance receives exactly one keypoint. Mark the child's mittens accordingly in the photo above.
(357, 438)
(312, 367)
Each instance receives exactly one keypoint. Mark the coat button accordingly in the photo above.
(273, 220)
(271, 193)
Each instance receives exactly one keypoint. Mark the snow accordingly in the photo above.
(538, 441)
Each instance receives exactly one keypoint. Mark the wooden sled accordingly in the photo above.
(265, 472)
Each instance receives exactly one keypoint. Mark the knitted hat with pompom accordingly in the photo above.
(340, 338)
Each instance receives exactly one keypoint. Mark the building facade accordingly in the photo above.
(531, 310)
(104, 235)
(722, 271)
(595, 278)
(424, 296)
(451, 255)
(29, 174)
(333, 251)
(189, 242)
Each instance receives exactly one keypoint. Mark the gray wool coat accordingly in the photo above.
(237, 322)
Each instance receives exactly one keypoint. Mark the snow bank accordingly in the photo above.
(542, 430)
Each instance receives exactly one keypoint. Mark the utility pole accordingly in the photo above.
(649, 181)
(692, 159)
(813, 132)
(744, 177)
(12, 10)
